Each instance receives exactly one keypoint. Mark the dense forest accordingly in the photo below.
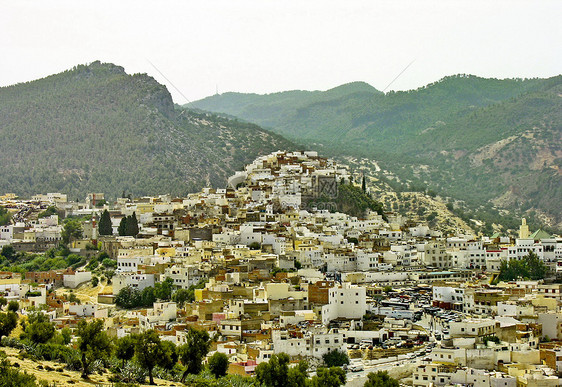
(95, 128)
(485, 141)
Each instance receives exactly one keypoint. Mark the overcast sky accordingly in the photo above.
(266, 46)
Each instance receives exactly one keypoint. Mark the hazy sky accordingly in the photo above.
(266, 46)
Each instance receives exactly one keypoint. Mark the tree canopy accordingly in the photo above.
(5, 216)
(274, 373)
(125, 348)
(128, 226)
(150, 351)
(328, 377)
(192, 353)
(335, 358)
(71, 231)
(39, 329)
(380, 379)
(93, 343)
(218, 364)
(104, 226)
(530, 267)
(8, 321)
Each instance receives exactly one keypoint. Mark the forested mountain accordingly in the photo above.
(95, 128)
(486, 141)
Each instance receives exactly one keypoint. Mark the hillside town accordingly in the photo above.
(269, 266)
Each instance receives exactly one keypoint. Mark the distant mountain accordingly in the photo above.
(96, 129)
(486, 141)
(276, 110)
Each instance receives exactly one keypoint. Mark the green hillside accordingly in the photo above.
(486, 141)
(272, 110)
(97, 129)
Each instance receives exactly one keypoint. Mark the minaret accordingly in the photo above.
(94, 228)
(524, 230)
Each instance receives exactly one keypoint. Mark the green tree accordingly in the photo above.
(274, 373)
(66, 335)
(125, 348)
(9, 253)
(380, 379)
(218, 364)
(163, 290)
(363, 184)
(3, 302)
(387, 289)
(39, 329)
(192, 353)
(150, 352)
(181, 296)
(298, 375)
(13, 306)
(5, 217)
(328, 377)
(335, 358)
(132, 228)
(122, 229)
(109, 263)
(74, 298)
(8, 321)
(128, 297)
(71, 231)
(431, 216)
(148, 296)
(104, 227)
(254, 246)
(531, 267)
(170, 359)
(537, 268)
(93, 343)
(189, 296)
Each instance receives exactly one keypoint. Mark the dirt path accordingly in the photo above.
(87, 293)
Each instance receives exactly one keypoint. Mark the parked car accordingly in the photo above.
(356, 367)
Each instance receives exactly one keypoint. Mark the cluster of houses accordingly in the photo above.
(275, 270)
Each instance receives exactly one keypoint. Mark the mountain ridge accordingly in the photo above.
(94, 128)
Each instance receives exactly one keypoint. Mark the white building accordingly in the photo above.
(309, 344)
(184, 276)
(345, 301)
(134, 280)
